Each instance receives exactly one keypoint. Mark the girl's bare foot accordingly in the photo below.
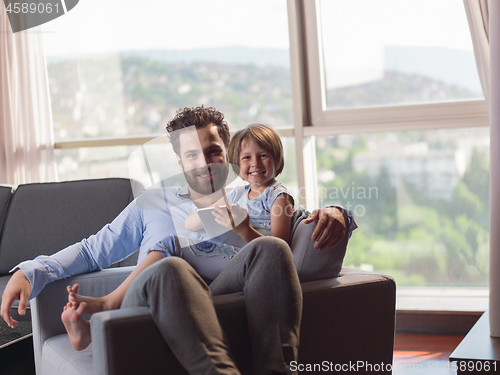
(93, 304)
(77, 327)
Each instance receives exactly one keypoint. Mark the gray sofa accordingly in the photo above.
(348, 321)
(44, 218)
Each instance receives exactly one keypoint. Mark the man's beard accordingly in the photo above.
(219, 172)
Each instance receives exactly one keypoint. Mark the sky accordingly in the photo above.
(356, 32)
(111, 25)
(98, 26)
(398, 22)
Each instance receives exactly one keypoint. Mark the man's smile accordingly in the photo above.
(207, 176)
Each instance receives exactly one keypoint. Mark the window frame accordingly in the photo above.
(450, 114)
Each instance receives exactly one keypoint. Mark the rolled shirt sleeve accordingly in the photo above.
(351, 223)
(113, 243)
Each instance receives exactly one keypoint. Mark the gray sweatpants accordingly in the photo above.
(181, 306)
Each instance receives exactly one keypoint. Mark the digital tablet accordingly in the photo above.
(212, 228)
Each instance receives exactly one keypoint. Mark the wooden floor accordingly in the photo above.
(424, 354)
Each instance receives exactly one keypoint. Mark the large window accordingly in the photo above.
(378, 102)
(420, 198)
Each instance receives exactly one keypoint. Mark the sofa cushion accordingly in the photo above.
(5, 195)
(47, 217)
(59, 358)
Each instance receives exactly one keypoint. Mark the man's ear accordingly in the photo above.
(179, 162)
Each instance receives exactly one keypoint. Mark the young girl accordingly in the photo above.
(263, 207)
(258, 152)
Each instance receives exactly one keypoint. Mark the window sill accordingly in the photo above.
(439, 310)
(442, 298)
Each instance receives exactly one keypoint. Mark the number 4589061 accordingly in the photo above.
(32, 8)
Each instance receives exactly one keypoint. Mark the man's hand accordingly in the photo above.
(18, 288)
(330, 229)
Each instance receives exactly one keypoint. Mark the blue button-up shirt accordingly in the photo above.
(147, 220)
(141, 225)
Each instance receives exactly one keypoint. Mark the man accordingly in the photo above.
(259, 265)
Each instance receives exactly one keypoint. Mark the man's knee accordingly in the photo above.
(152, 281)
(172, 267)
(165, 270)
(270, 248)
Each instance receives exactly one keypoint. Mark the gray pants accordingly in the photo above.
(182, 308)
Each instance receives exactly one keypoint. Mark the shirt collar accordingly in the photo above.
(183, 192)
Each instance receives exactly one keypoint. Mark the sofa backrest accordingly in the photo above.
(5, 195)
(47, 217)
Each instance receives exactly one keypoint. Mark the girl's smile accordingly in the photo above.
(257, 165)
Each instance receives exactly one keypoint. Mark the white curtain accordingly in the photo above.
(26, 136)
(478, 17)
(494, 265)
(484, 22)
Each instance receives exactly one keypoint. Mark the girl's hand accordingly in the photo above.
(239, 215)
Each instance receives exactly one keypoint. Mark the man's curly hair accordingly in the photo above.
(200, 117)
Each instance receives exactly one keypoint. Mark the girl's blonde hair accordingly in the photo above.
(265, 137)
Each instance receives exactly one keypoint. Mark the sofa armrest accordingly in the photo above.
(349, 319)
(47, 307)
(127, 341)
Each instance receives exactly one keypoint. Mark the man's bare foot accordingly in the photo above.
(77, 327)
(93, 304)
